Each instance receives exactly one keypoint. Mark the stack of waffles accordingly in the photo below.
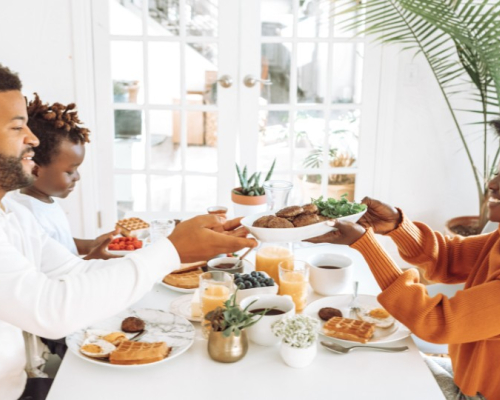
(131, 353)
(132, 227)
(349, 329)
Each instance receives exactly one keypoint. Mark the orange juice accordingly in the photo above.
(268, 259)
(294, 283)
(212, 297)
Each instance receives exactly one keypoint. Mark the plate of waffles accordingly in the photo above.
(185, 279)
(166, 337)
(371, 324)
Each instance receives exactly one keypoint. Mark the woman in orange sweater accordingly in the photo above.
(470, 321)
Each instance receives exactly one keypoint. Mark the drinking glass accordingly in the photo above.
(294, 282)
(270, 255)
(217, 210)
(160, 228)
(277, 193)
(215, 288)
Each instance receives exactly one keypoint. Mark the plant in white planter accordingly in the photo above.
(298, 335)
(250, 197)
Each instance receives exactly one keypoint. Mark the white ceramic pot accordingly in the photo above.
(298, 358)
(248, 205)
(261, 333)
(330, 273)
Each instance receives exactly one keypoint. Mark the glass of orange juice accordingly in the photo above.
(295, 282)
(270, 255)
(215, 288)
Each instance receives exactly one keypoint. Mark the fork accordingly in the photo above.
(336, 348)
(353, 305)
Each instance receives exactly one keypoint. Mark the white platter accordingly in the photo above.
(281, 235)
(341, 302)
(182, 306)
(161, 326)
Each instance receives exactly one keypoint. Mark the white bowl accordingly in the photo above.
(282, 235)
(244, 293)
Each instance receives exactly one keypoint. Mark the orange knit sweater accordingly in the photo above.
(470, 321)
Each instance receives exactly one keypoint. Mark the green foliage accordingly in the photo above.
(251, 186)
(332, 208)
(460, 41)
(231, 318)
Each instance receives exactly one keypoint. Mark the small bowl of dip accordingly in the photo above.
(227, 264)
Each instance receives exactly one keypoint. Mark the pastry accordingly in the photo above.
(132, 226)
(263, 222)
(306, 219)
(132, 325)
(290, 212)
(349, 329)
(328, 312)
(130, 353)
(310, 209)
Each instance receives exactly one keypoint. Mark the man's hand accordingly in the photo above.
(382, 217)
(99, 247)
(205, 236)
(345, 233)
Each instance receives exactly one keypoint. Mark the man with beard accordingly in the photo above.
(47, 291)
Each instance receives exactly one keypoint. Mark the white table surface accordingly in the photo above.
(261, 374)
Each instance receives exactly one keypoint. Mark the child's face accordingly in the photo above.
(58, 179)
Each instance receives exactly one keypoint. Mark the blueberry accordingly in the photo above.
(254, 273)
(261, 274)
(248, 284)
(238, 280)
(269, 282)
(237, 276)
(241, 285)
(257, 284)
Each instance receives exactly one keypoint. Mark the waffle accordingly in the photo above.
(188, 279)
(349, 329)
(130, 353)
(132, 226)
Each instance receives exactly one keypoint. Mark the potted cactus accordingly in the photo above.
(250, 198)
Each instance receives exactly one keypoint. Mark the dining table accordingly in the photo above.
(261, 374)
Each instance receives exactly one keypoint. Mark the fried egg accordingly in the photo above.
(377, 316)
(97, 348)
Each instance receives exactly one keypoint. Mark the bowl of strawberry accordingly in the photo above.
(124, 245)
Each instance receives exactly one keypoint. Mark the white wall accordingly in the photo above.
(36, 41)
(421, 166)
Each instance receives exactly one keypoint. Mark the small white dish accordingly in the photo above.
(281, 235)
(244, 293)
(161, 326)
(125, 252)
(182, 306)
(397, 332)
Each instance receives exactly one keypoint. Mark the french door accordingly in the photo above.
(187, 88)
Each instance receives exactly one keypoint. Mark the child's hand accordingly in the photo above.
(99, 248)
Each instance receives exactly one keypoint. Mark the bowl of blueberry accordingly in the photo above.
(254, 283)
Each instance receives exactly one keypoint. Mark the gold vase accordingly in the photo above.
(227, 349)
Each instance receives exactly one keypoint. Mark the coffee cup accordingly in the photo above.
(330, 273)
(282, 307)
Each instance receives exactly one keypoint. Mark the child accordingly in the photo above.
(57, 158)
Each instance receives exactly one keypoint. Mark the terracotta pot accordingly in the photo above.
(248, 205)
(468, 221)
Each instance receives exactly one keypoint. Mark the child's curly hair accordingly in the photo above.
(53, 124)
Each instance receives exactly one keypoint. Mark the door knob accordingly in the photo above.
(251, 80)
(225, 81)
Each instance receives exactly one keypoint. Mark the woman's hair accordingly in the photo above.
(9, 80)
(53, 124)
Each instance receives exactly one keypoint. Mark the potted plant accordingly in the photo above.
(227, 340)
(298, 339)
(459, 40)
(250, 197)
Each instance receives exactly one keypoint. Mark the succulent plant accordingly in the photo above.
(231, 318)
(251, 186)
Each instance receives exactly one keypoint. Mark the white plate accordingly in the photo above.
(161, 326)
(281, 235)
(182, 306)
(341, 302)
(177, 289)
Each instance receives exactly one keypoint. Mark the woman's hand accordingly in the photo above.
(345, 233)
(382, 217)
(205, 236)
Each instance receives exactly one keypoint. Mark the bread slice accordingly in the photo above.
(132, 353)
(135, 227)
(349, 329)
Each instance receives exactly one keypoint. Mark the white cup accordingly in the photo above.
(330, 281)
(261, 333)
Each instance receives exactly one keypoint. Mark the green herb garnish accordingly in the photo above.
(332, 208)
